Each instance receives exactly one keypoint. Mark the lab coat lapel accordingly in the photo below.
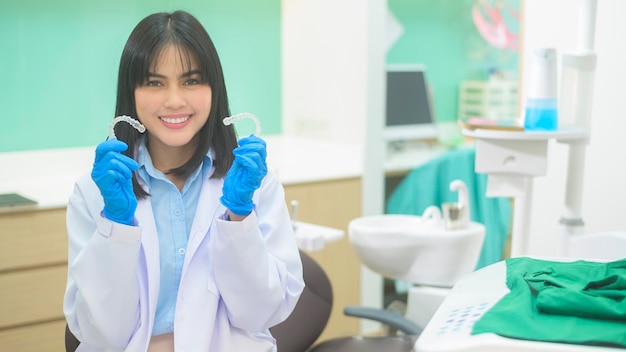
(150, 244)
(209, 208)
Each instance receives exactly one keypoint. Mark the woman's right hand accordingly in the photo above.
(112, 172)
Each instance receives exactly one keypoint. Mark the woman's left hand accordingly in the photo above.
(245, 175)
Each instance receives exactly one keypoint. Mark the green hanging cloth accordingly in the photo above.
(578, 302)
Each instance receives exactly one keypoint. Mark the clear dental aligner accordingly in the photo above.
(230, 119)
(136, 124)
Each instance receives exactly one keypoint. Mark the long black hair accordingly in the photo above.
(144, 45)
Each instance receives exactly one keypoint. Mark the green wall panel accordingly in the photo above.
(441, 35)
(59, 61)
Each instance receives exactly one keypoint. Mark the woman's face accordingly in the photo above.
(174, 103)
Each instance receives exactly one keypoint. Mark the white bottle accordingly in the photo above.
(541, 100)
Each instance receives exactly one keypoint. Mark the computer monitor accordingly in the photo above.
(409, 111)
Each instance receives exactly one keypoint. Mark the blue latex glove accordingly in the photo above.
(245, 175)
(112, 173)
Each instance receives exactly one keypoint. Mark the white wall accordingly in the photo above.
(324, 69)
(553, 23)
(333, 69)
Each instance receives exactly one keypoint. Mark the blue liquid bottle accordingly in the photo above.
(541, 103)
(541, 115)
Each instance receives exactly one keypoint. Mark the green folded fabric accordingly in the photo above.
(577, 302)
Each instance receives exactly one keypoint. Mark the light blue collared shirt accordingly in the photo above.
(174, 212)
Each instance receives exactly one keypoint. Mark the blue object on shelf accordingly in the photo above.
(541, 115)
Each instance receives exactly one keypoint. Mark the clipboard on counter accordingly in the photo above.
(483, 123)
(14, 201)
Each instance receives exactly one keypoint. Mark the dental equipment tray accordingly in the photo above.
(451, 326)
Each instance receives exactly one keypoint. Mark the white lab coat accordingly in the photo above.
(238, 278)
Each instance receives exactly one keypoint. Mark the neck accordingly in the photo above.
(165, 158)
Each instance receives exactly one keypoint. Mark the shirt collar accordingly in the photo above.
(147, 171)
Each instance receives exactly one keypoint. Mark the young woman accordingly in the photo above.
(180, 238)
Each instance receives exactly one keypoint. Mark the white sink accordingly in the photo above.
(416, 248)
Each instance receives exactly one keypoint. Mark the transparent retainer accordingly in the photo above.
(141, 128)
(244, 115)
(125, 118)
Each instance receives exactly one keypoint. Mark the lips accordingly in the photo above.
(175, 121)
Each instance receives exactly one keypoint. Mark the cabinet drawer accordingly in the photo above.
(32, 296)
(32, 239)
(35, 338)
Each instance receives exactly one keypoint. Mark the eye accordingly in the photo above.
(153, 83)
(192, 82)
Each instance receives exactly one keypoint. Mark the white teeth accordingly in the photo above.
(174, 120)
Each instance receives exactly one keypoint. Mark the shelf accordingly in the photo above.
(567, 134)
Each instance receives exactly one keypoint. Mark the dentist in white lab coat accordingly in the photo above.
(179, 239)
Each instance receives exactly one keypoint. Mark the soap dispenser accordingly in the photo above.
(541, 103)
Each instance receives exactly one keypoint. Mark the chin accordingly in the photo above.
(176, 142)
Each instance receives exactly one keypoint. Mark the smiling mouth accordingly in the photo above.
(174, 120)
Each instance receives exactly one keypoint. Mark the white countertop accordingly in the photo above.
(48, 176)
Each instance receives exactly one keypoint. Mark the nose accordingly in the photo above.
(174, 98)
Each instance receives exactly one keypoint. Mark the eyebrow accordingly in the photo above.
(184, 75)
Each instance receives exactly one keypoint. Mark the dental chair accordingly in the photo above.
(305, 324)
(300, 331)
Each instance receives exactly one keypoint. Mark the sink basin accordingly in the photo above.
(416, 248)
